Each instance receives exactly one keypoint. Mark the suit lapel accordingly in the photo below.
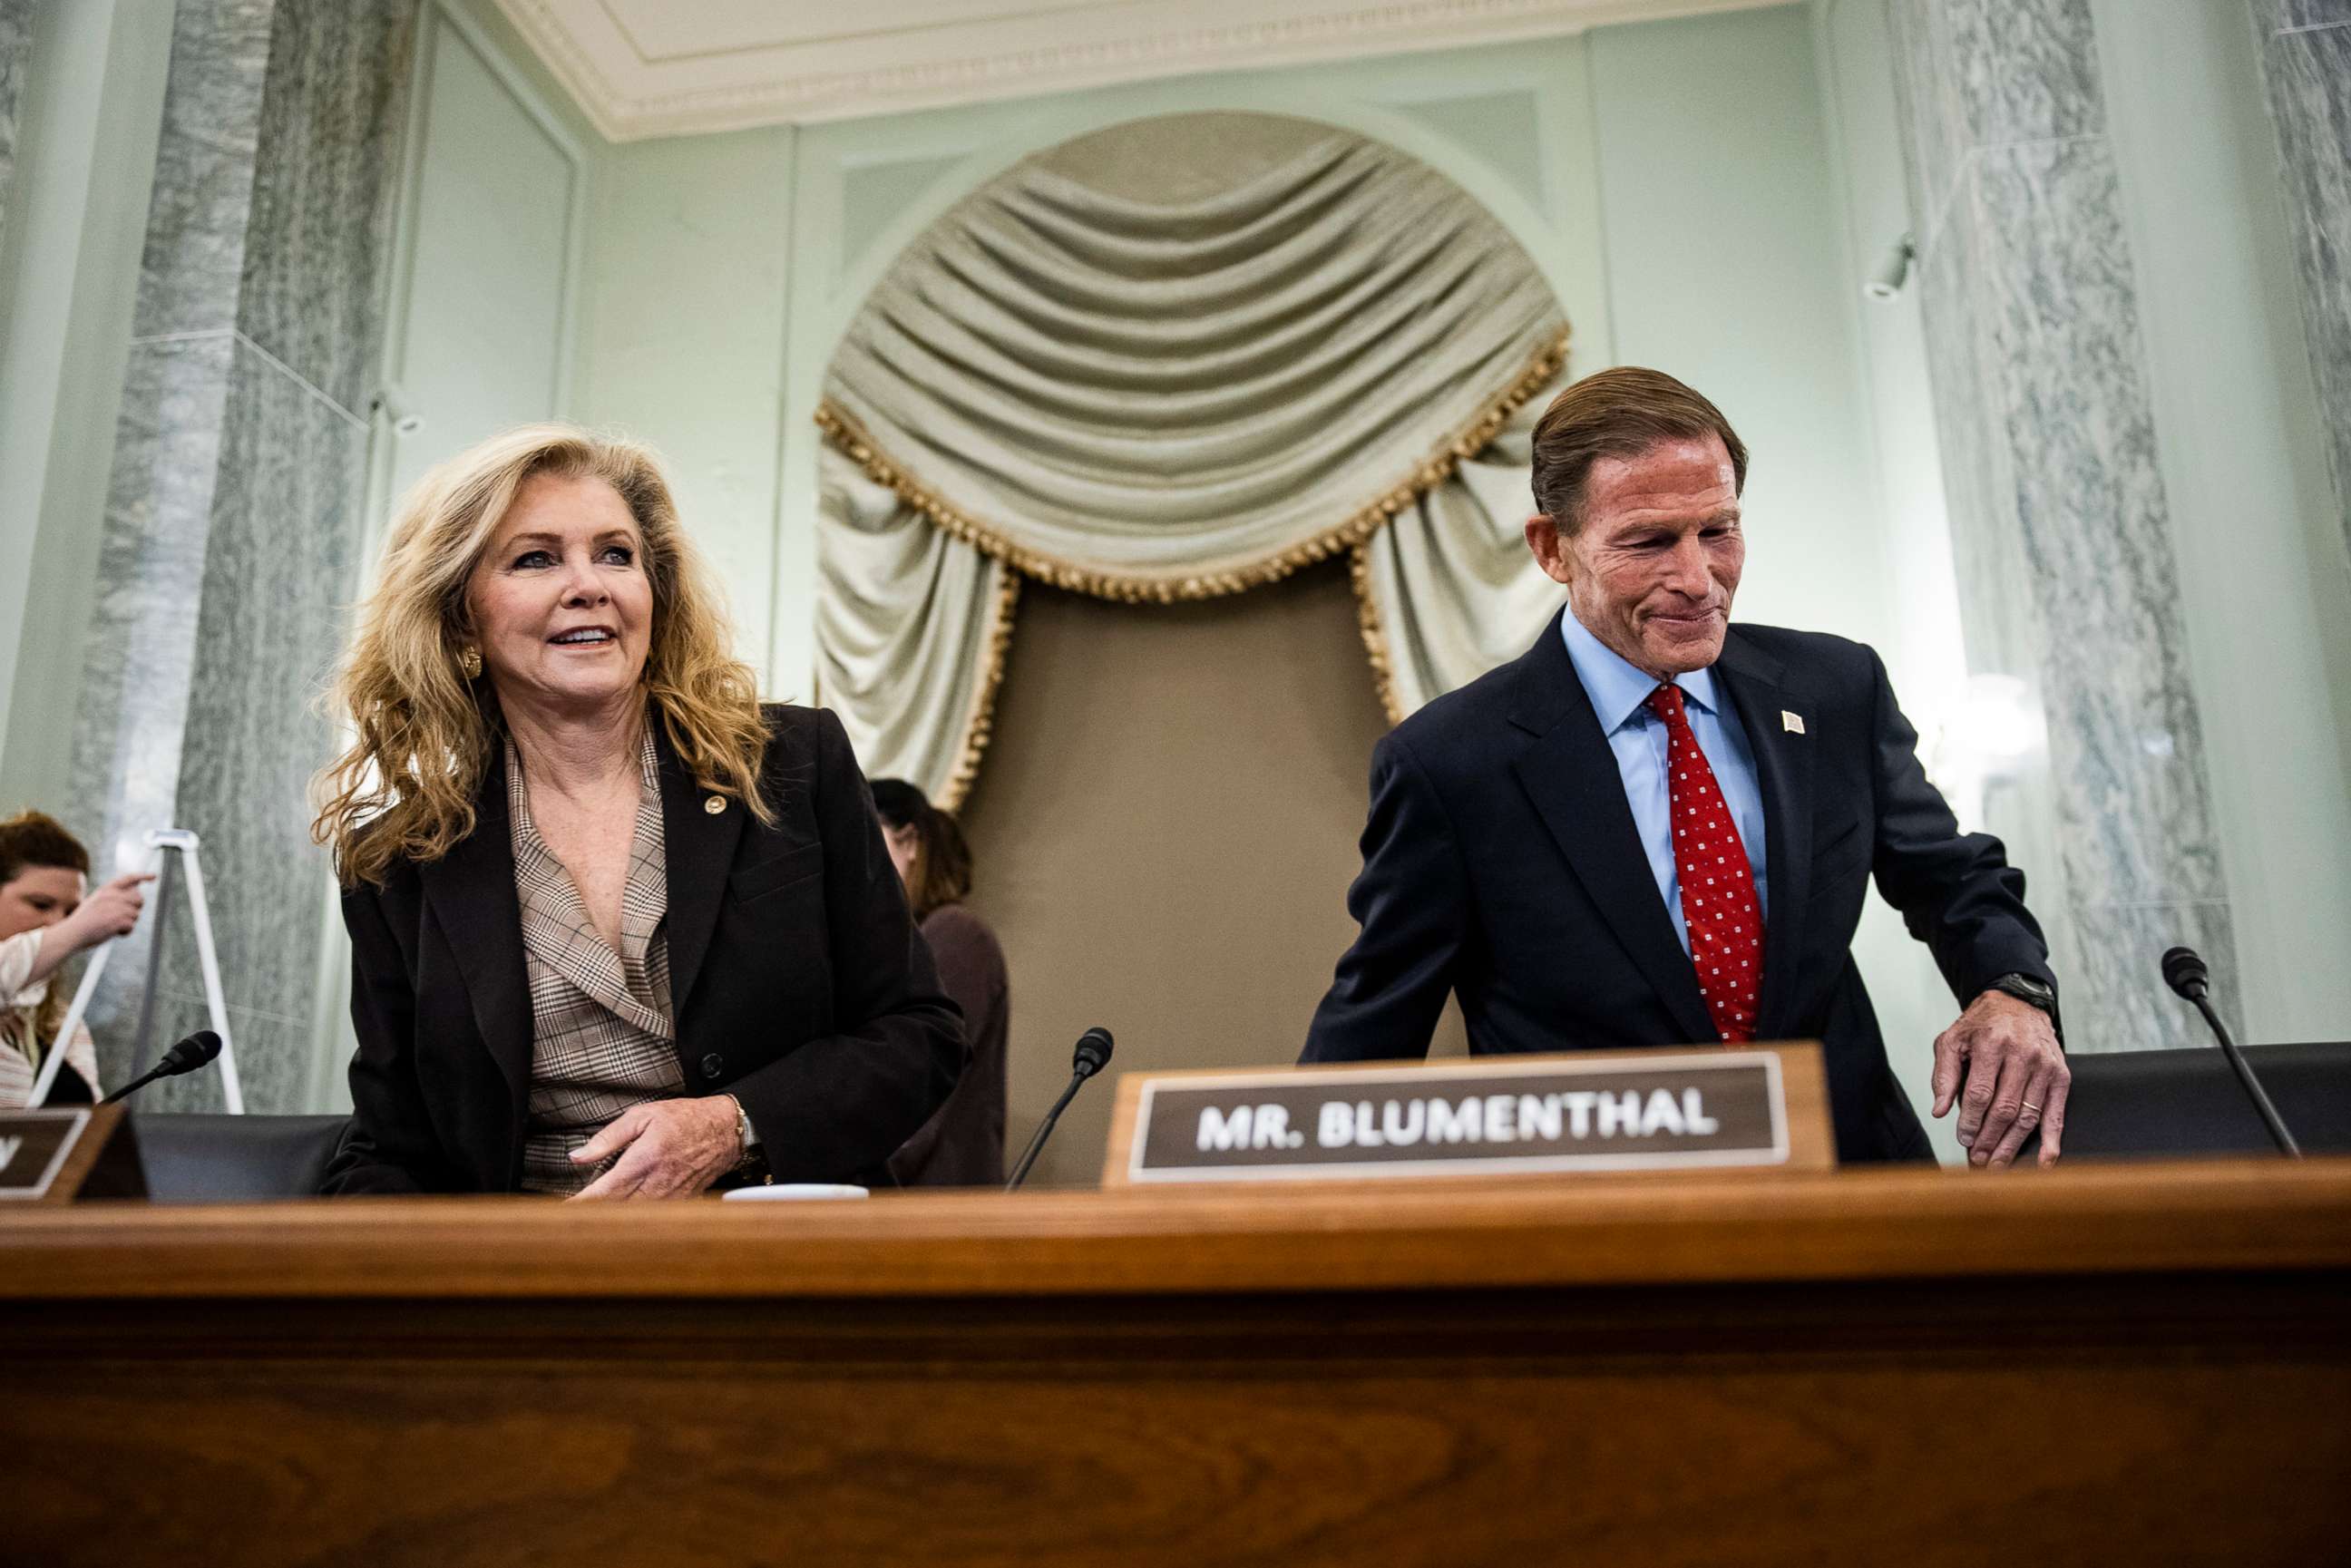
(1569, 772)
(1783, 768)
(472, 892)
(700, 844)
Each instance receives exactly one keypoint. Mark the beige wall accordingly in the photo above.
(1165, 831)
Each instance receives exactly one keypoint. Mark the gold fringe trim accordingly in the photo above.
(1375, 635)
(981, 724)
(846, 433)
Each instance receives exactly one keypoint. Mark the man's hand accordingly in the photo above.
(2016, 1079)
(668, 1148)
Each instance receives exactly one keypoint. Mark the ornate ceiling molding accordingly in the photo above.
(637, 72)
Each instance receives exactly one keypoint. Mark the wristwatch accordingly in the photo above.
(746, 1138)
(2039, 993)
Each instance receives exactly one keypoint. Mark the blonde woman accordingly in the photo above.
(616, 929)
(45, 920)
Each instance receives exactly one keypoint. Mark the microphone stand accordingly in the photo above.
(1091, 1057)
(1045, 1128)
(197, 1051)
(2253, 1086)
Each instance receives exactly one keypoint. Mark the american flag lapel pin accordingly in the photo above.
(1793, 722)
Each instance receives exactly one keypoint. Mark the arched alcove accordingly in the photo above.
(1173, 360)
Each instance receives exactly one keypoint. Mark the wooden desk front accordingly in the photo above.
(2121, 1364)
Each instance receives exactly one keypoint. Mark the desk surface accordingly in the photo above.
(2105, 1366)
(1905, 1224)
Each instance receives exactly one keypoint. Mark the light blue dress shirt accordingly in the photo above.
(1620, 698)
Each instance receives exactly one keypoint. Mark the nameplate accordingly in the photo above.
(54, 1156)
(1672, 1109)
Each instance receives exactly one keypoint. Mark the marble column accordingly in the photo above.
(16, 49)
(2059, 523)
(2305, 48)
(234, 517)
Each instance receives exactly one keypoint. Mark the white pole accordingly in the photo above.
(232, 1091)
(50, 1063)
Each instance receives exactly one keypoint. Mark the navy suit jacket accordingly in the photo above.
(1500, 862)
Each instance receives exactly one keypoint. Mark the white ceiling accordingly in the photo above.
(671, 67)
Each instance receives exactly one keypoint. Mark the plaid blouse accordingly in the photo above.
(603, 1034)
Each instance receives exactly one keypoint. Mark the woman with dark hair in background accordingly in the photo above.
(963, 1144)
(45, 920)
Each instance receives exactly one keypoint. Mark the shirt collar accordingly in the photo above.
(1618, 689)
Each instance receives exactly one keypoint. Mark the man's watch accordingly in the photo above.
(2039, 993)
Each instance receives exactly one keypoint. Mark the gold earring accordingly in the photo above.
(469, 663)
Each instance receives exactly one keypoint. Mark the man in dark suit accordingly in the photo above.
(1657, 828)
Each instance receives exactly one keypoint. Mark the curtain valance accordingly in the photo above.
(1154, 402)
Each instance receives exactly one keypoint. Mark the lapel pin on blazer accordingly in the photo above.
(715, 804)
(1792, 722)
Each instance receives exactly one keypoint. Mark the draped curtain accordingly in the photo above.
(1152, 401)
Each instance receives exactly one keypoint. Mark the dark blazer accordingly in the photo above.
(1500, 862)
(796, 979)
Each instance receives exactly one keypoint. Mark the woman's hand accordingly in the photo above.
(668, 1148)
(112, 911)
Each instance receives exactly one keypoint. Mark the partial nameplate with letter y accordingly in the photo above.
(59, 1156)
(1675, 1108)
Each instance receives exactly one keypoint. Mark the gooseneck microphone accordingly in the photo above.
(2185, 973)
(1091, 1055)
(185, 1056)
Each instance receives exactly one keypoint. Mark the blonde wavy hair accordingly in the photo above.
(404, 790)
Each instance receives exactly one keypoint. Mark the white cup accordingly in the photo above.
(791, 1191)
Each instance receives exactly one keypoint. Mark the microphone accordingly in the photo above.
(2185, 973)
(185, 1056)
(1091, 1057)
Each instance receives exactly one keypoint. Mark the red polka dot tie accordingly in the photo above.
(1726, 925)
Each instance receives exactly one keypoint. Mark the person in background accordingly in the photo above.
(45, 920)
(617, 929)
(963, 1146)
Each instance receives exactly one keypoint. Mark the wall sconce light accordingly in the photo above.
(1894, 271)
(393, 404)
(1985, 740)
(1996, 721)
